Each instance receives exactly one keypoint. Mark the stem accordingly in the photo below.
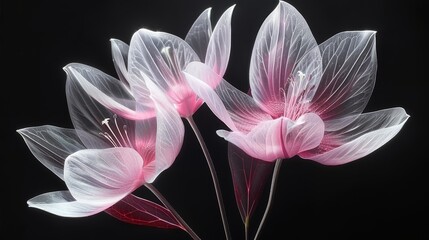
(246, 229)
(173, 211)
(213, 174)
(270, 198)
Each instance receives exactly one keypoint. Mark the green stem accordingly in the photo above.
(270, 198)
(173, 211)
(213, 174)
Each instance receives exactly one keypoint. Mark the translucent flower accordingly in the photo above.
(160, 57)
(106, 157)
(305, 99)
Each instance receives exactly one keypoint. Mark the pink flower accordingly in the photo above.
(106, 157)
(305, 99)
(160, 57)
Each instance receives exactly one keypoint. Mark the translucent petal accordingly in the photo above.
(219, 46)
(84, 80)
(283, 40)
(52, 145)
(103, 177)
(199, 34)
(279, 138)
(161, 57)
(233, 107)
(350, 63)
(120, 59)
(169, 134)
(63, 204)
(365, 134)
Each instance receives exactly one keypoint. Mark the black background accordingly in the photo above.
(379, 196)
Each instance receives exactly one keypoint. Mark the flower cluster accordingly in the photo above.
(305, 99)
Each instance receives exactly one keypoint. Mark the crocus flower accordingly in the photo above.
(305, 99)
(161, 57)
(106, 157)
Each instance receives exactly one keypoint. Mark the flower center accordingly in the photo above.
(295, 102)
(117, 136)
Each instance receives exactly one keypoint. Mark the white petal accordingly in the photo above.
(63, 204)
(219, 46)
(161, 57)
(283, 40)
(52, 145)
(103, 176)
(365, 134)
(120, 59)
(350, 63)
(84, 81)
(199, 34)
(169, 134)
(233, 107)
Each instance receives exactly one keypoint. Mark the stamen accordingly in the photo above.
(126, 134)
(108, 137)
(106, 122)
(117, 127)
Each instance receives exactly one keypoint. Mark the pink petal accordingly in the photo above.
(198, 36)
(233, 107)
(279, 138)
(282, 41)
(102, 177)
(219, 46)
(365, 134)
(63, 204)
(161, 57)
(350, 63)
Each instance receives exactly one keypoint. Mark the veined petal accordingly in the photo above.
(169, 134)
(219, 46)
(279, 138)
(199, 34)
(233, 107)
(84, 81)
(63, 204)
(161, 57)
(349, 71)
(52, 145)
(283, 40)
(363, 135)
(120, 59)
(103, 177)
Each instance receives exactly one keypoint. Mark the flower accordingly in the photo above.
(305, 99)
(161, 57)
(106, 157)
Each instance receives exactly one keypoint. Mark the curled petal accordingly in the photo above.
(349, 71)
(283, 40)
(84, 81)
(198, 36)
(103, 177)
(63, 204)
(120, 59)
(363, 135)
(233, 107)
(279, 138)
(219, 46)
(169, 134)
